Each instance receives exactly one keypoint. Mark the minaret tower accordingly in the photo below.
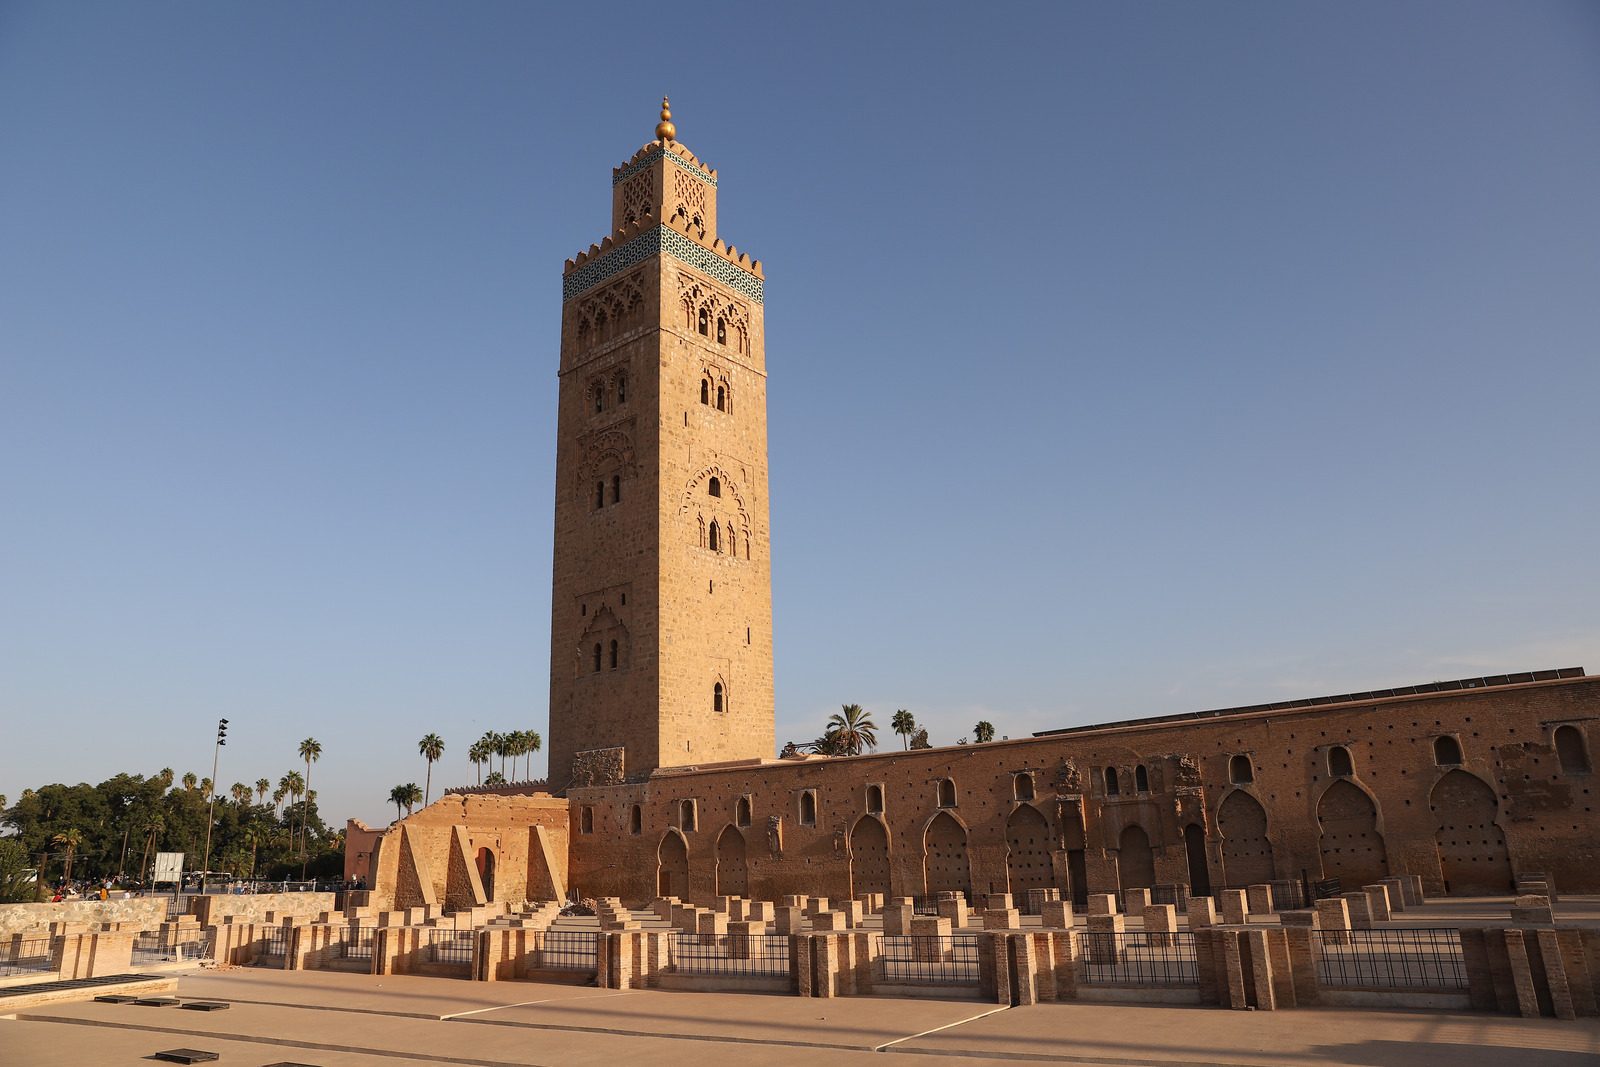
(661, 615)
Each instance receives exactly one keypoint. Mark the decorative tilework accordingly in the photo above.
(627, 172)
(662, 239)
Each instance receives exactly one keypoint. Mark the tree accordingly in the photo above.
(241, 793)
(255, 835)
(16, 886)
(852, 731)
(430, 748)
(904, 723)
(68, 839)
(478, 755)
(263, 787)
(413, 796)
(310, 751)
(983, 732)
(920, 739)
(502, 748)
(189, 782)
(532, 743)
(495, 778)
(397, 797)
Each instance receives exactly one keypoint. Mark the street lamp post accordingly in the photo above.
(211, 802)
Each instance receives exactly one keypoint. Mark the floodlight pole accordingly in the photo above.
(211, 802)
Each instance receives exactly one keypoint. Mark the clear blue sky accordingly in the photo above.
(1125, 359)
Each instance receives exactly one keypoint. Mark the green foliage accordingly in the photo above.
(904, 724)
(16, 886)
(983, 732)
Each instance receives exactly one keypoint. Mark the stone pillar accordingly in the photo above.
(1103, 944)
(1056, 915)
(1377, 902)
(999, 901)
(1397, 893)
(739, 937)
(1025, 987)
(1002, 918)
(1333, 915)
(930, 944)
(1102, 904)
(897, 918)
(1235, 906)
(1202, 913)
(709, 925)
(1259, 899)
(788, 920)
(852, 912)
(1134, 901)
(815, 905)
(1415, 896)
(758, 911)
(827, 922)
(953, 908)
(1360, 910)
(827, 956)
(1160, 923)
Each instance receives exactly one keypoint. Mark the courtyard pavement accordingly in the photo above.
(342, 1020)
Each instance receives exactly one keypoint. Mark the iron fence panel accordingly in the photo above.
(356, 943)
(568, 950)
(1390, 959)
(274, 941)
(450, 946)
(1138, 959)
(26, 956)
(734, 955)
(929, 959)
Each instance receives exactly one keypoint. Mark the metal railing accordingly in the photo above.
(1174, 893)
(356, 942)
(153, 946)
(1390, 959)
(449, 946)
(1138, 959)
(929, 959)
(274, 941)
(567, 950)
(26, 956)
(733, 955)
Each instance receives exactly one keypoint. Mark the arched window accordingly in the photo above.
(1141, 779)
(1447, 751)
(722, 331)
(622, 388)
(599, 398)
(1339, 763)
(733, 548)
(636, 820)
(613, 655)
(714, 486)
(716, 697)
(1022, 786)
(1111, 782)
(616, 488)
(947, 793)
(722, 399)
(705, 392)
(874, 800)
(586, 820)
(705, 323)
(599, 494)
(597, 655)
(1571, 751)
(686, 816)
(714, 538)
(741, 812)
(1240, 772)
(808, 808)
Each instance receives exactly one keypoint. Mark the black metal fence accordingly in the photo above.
(356, 942)
(449, 946)
(1390, 959)
(567, 950)
(153, 946)
(26, 956)
(731, 955)
(929, 959)
(274, 941)
(1138, 959)
(1174, 893)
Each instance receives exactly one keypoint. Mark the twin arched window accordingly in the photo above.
(718, 392)
(704, 322)
(600, 491)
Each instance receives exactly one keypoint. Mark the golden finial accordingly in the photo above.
(665, 130)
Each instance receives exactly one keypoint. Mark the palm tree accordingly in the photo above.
(532, 743)
(68, 839)
(852, 731)
(310, 751)
(479, 754)
(256, 835)
(495, 778)
(397, 797)
(205, 788)
(904, 724)
(189, 782)
(983, 731)
(241, 793)
(263, 787)
(277, 798)
(413, 795)
(502, 748)
(514, 749)
(165, 778)
(431, 748)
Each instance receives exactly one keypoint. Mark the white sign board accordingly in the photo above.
(169, 867)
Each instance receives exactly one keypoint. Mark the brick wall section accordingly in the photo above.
(1547, 816)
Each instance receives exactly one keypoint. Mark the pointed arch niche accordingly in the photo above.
(869, 856)
(945, 865)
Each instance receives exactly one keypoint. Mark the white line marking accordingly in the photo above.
(529, 1003)
(946, 1026)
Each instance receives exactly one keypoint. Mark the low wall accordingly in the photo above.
(146, 913)
(253, 907)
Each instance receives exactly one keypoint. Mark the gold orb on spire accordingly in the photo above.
(665, 130)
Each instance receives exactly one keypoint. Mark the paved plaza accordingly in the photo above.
(344, 1020)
